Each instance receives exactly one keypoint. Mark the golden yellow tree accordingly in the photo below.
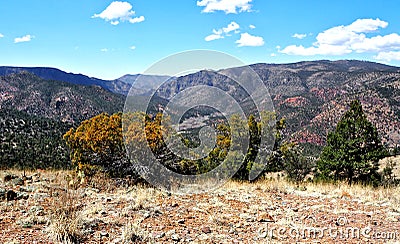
(96, 141)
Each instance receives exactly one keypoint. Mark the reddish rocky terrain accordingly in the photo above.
(45, 209)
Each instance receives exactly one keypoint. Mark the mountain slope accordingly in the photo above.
(313, 95)
(116, 86)
(31, 142)
(55, 99)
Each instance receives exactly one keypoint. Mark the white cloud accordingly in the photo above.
(213, 37)
(1, 35)
(342, 39)
(273, 54)
(247, 40)
(137, 20)
(378, 44)
(367, 25)
(26, 38)
(252, 26)
(225, 31)
(104, 50)
(388, 56)
(133, 47)
(228, 6)
(118, 12)
(299, 36)
(233, 26)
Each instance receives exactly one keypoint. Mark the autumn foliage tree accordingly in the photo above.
(97, 143)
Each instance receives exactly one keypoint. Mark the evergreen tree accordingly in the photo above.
(353, 149)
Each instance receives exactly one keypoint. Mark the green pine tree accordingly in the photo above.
(353, 150)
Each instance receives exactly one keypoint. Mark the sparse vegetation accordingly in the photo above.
(55, 213)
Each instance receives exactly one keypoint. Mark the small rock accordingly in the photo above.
(174, 205)
(175, 237)
(159, 235)
(36, 210)
(170, 233)
(27, 189)
(206, 230)
(2, 194)
(265, 217)
(104, 233)
(12, 242)
(392, 219)
(203, 237)
(11, 195)
(22, 195)
(17, 181)
(181, 221)
(88, 231)
(9, 177)
(146, 215)
(118, 240)
(38, 196)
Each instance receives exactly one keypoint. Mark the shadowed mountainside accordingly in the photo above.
(55, 99)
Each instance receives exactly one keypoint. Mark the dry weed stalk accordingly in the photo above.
(65, 219)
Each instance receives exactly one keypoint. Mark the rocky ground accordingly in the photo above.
(43, 208)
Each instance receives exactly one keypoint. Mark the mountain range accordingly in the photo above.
(311, 95)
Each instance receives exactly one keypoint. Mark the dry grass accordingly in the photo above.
(390, 196)
(66, 218)
(68, 210)
(133, 233)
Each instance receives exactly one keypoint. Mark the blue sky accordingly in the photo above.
(107, 39)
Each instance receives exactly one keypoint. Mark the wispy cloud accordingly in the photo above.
(104, 49)
(225, 31)
(132, 47)
(1, 35)
(136, 20)
(118, 12)
(213, 37)
(252, 26)
(342, 39)
(247, 40)
(26, 38)
(227, 6)
(299, 36)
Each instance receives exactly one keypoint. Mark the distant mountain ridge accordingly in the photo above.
(144, 84)
(115, 86)
(311, 95)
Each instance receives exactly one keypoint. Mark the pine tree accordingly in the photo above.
(353, 150)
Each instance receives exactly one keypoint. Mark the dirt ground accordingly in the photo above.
(45, 209)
